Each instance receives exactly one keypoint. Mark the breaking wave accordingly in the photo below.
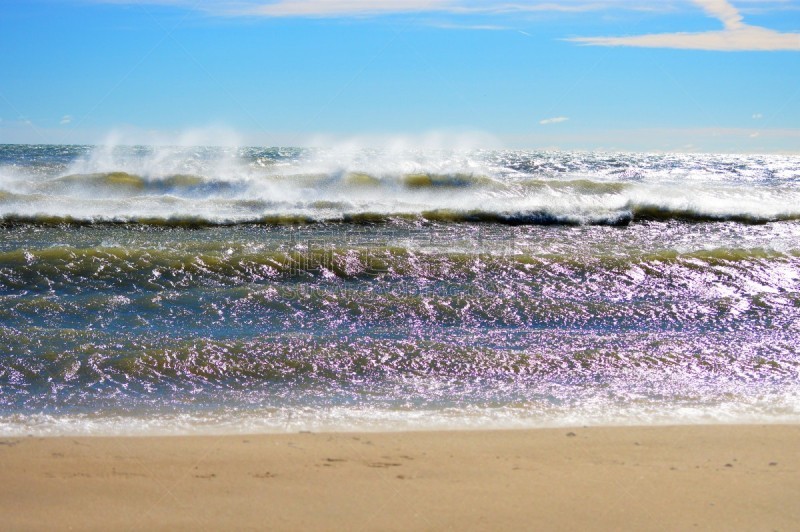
(216, 186)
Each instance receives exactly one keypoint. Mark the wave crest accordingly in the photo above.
(203, 186)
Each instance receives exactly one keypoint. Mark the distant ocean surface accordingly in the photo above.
(155, 290)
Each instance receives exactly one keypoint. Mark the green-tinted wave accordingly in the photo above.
(578, 186)
(229, 264)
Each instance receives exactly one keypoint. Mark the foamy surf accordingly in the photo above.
(208, 186)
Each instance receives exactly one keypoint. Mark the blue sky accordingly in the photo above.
(703, 75)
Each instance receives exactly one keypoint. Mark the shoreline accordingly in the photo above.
(213, 431)
(651, 477)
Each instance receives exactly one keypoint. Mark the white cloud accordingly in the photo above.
(554, 120)
(359, 8)
(724, 11)
(757, 7)
(362, 8)
(755, 135)
(300, 8)
(758, 116)
(66, 119)
(736, 35)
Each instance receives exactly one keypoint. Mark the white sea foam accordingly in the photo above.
(778, 407)
(114, 182)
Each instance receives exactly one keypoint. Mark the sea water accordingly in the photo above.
(173, 290)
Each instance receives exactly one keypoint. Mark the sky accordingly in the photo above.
(669, 75)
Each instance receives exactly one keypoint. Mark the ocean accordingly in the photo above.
(186, 290)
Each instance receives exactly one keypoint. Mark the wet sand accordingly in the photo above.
(649, 478)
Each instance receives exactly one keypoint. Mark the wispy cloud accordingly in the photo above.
(735, 35)
(555, 120)
(724, 11)
(758, 116)
(66, 119)
(366, 8)
(323, 8)
(757, 7)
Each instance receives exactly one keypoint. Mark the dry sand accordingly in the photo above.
(653, 478)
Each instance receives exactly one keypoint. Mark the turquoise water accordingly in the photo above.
(176, 290)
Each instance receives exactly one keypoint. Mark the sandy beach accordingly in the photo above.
(649, 478)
